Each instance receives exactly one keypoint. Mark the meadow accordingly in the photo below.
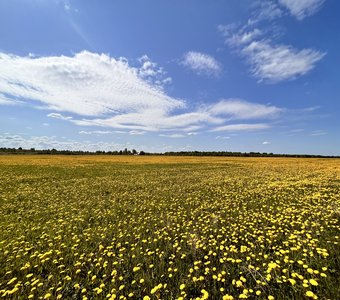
(104, 227)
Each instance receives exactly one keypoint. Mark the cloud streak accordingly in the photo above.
(275, 63)
(50, 142)
(242, 127)
(201, 63)
(268, 60)
(238, 109)
(301, 9)
(90, 89)
(87, 84)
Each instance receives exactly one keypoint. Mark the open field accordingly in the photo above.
(84, 227)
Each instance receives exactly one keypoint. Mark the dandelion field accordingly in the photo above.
(101, 227)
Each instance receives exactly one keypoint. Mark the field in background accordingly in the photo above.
(84, 227)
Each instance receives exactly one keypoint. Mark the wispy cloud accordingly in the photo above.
(241, 127)
(298, 130)
(151, 72)
(268, 60)
(192, 133)
(302, 8)
(174, 135)
(89, 89)
(49, 142)
(93, 86)
(275, 63)
(58, 116)
(66, 5)
(318, 132)
(265, 10)
(136, 132)
(201, 63)
(153, 120)
(95, 132)
(266, 143)
(85, 84)
(105, 132)
(237, 109)
(5, 100)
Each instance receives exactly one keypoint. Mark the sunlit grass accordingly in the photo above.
(169, 228)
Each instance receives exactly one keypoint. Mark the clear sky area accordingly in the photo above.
(175, 75)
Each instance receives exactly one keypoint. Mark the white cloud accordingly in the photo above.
(152, 73)
(318, 132)
(98, 90)
(297, 130)
(49, 142)
(222, 137)
(4, 100)
(279, 62)
(266, 10)
(227, 30)
(241, 127)
(240, 109)
(89, 89)
(85, 84)
(153, 120)
(58, 116)
(201, 63)
(266, 143)
(268, 60)
(67, 6)
(175, 135)
(136, 132)
(105, 132)
(245, 37)
(96, 132)
(302, 8)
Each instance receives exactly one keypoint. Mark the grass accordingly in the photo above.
(105, 227)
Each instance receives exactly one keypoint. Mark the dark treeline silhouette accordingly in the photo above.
(134, 152)
(242, 154)
(68, 152)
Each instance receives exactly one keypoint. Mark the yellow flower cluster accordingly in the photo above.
(169, 228)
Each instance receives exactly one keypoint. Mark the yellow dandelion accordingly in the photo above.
(205, 294)
(310, 294)
(313, 282)
(12, 280)
(292, 281)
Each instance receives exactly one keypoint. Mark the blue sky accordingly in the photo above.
(171, 75)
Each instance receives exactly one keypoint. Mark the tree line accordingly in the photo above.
(20, 150)
(126, 151)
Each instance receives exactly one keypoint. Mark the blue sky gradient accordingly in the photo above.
(171, 76)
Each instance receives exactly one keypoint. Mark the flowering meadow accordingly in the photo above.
(103, 227)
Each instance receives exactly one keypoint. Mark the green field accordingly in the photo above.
(102, 227)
